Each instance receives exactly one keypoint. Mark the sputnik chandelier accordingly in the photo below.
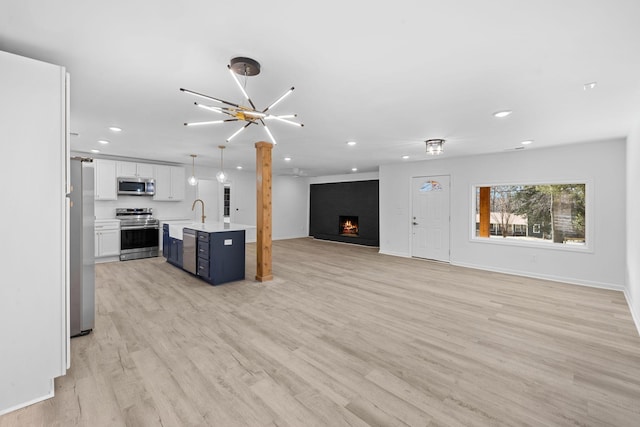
(238, 113)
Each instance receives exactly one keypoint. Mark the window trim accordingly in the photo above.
(588, 218)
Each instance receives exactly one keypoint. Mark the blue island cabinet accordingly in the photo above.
(221, 256)
(171, 247)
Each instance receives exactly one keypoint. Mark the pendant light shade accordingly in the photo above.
(221, 176)
(192, 179)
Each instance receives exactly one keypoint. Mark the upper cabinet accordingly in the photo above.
(105, 176)
(170, 183)
(131, 169)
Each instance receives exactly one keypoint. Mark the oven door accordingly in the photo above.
(138, 242)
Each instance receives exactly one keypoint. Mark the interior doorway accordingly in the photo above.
(430, 217)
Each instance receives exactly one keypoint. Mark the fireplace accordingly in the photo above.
(348, 226)
(331, 204)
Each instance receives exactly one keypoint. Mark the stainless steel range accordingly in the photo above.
(139, 233)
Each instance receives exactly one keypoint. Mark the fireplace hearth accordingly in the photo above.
(348, 226)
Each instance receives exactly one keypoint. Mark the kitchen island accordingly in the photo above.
(215, 252)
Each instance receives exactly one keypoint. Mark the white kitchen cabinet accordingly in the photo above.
(170, 183)
(105, 176)
(131, 169)
(107, 240)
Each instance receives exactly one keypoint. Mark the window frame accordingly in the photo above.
(588, 247)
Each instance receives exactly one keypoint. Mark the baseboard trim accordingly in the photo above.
(398, 254)
(560, 279)
(635, 316)
(48, 395)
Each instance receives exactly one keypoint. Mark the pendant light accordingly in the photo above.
(221, 176)
(192, 179)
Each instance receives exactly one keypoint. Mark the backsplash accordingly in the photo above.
(106, 209)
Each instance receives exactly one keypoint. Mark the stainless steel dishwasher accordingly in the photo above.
(189, 254)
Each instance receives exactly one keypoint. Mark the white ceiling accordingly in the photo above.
(388, 76)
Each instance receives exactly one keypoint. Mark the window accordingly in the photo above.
(553, 214)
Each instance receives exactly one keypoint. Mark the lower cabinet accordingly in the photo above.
(107, 239)
(166, 247)
(171, 247)
(174, 255)
(221, 256)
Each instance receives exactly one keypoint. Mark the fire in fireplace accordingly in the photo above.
(348, 226)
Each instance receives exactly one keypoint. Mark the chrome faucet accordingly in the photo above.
(194, 206)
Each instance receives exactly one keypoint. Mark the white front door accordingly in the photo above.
(430, 217)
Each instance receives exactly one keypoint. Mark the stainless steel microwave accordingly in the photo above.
(137, 186)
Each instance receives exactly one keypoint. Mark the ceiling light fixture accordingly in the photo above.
(351, 143)
(239, 167)
(103, 141)
(405, 157)
(221, 176)
(434, 146)
(245, 67)
(527, 142)
(192, 179)
(115, 129)
(95, 151)
(354, 169)
(287, 159)
(503, 113)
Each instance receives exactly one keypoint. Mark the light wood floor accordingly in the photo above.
(346, 337)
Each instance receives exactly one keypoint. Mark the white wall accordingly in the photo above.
(602, 164)
(632, 286)
(290, 195)
(34, 334)
(364, 176)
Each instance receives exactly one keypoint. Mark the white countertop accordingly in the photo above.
(175, 230)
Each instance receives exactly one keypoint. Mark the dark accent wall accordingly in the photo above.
(357, 198)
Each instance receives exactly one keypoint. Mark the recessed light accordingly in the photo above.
(239, 167)
(589, 86)
(503, 113)
(405, 157)
(287, 159)
(351, 143)
(95, 151)
(103, 141)
(527, 142)
(115, 129)
(354, 169)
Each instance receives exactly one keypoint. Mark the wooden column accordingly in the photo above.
(485, 211)
(263, 211)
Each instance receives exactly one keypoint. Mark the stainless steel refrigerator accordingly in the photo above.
(81, 248)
